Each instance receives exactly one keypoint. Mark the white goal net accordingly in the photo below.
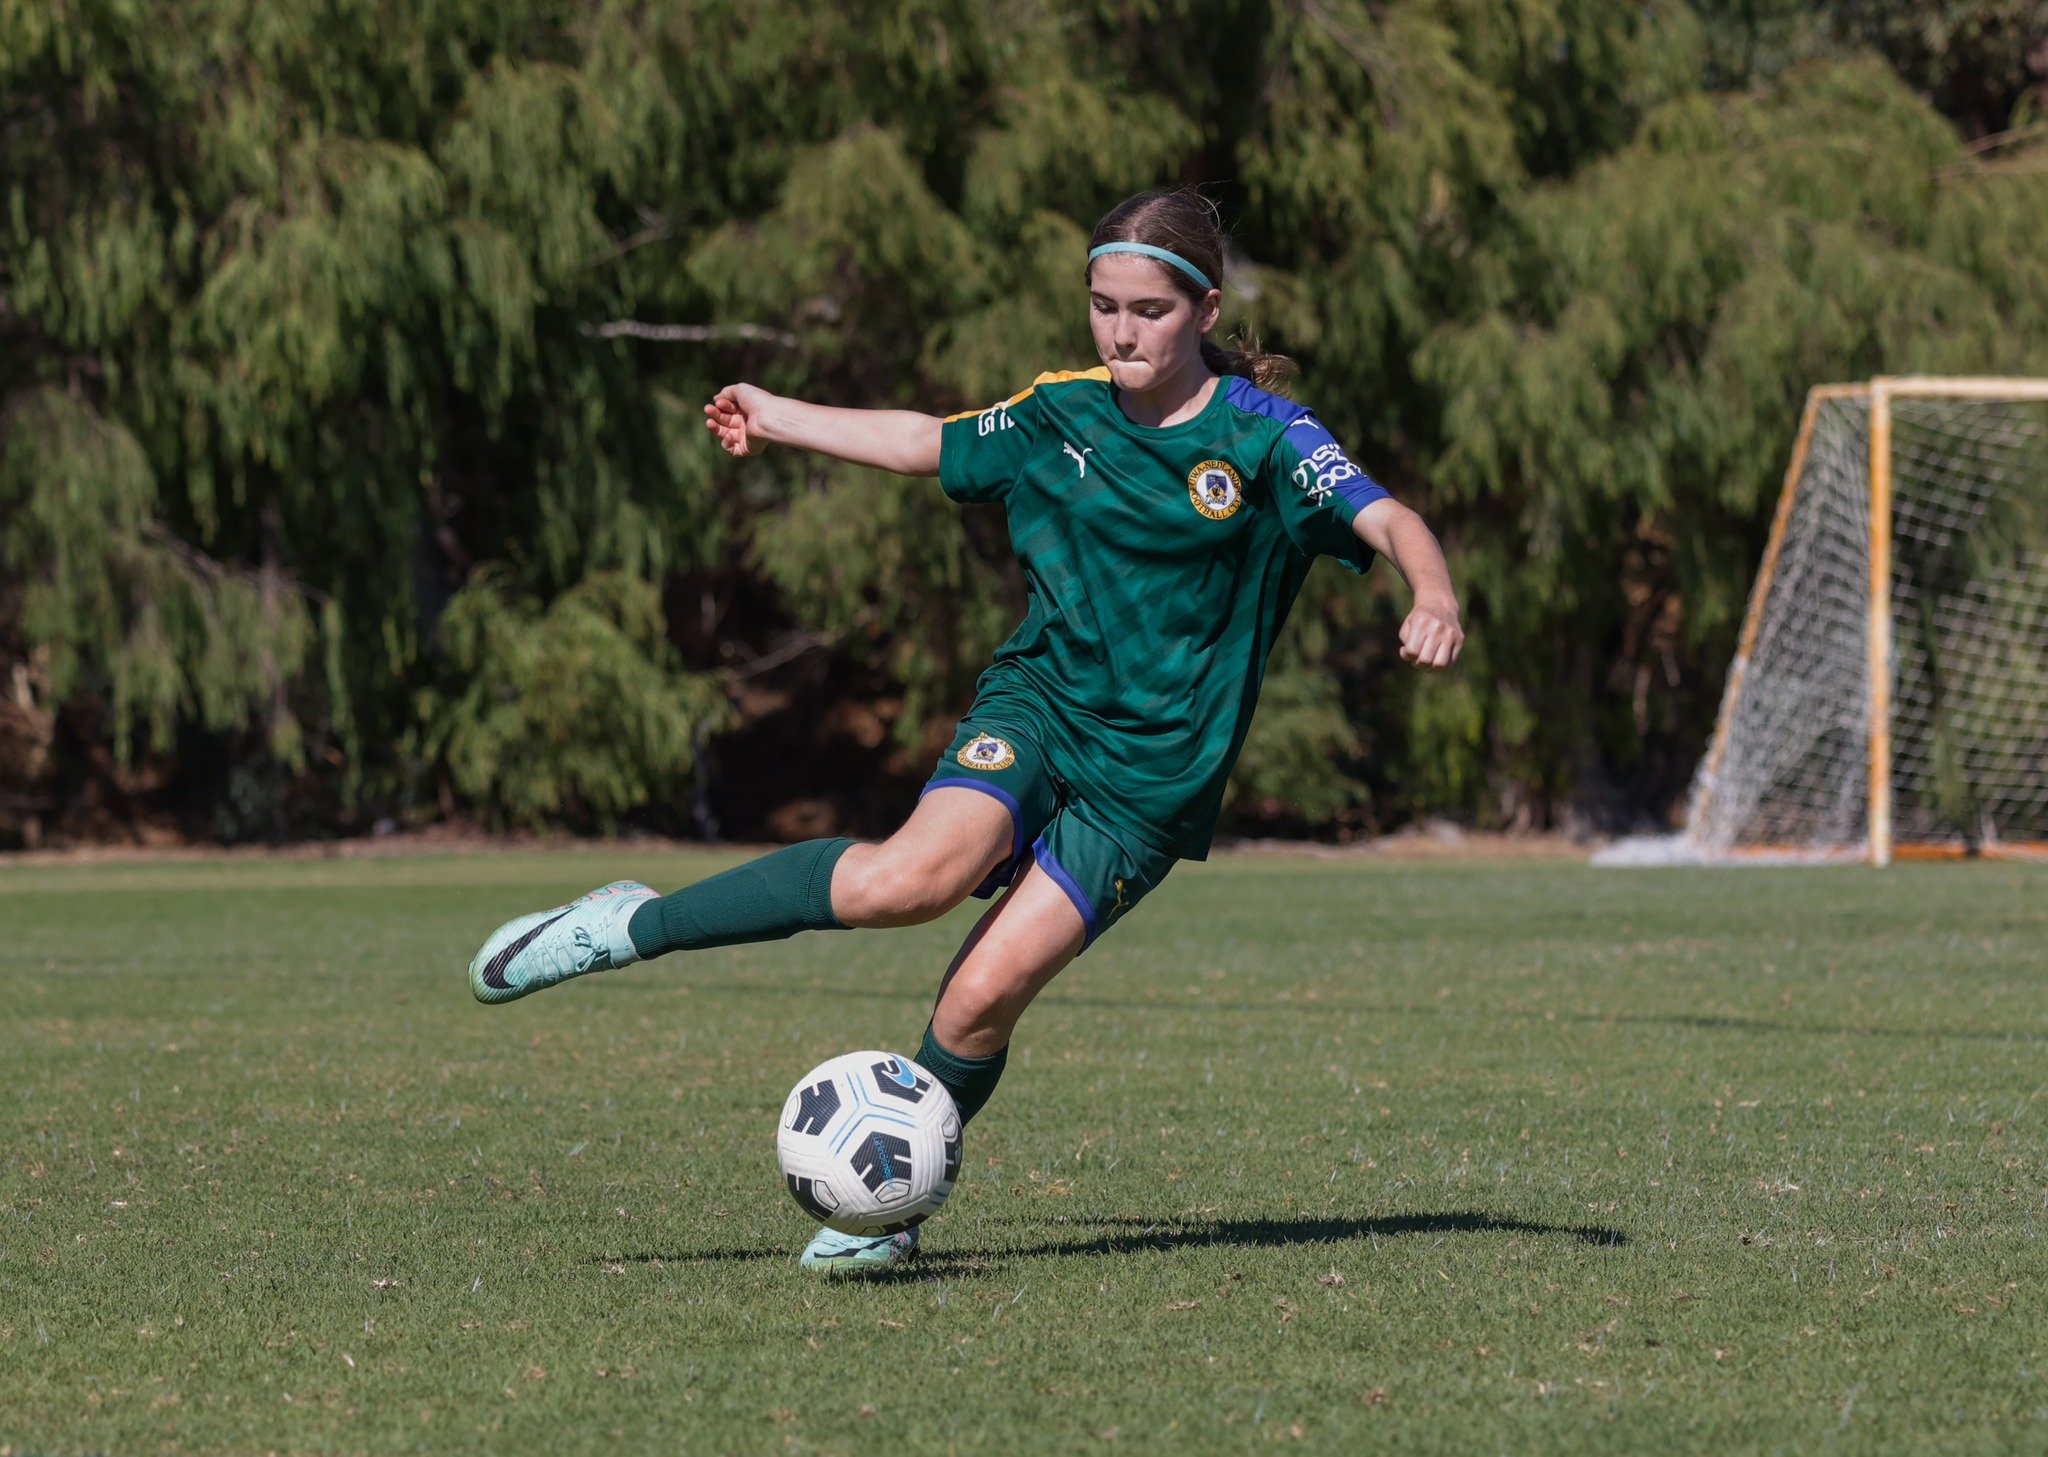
(1890, 693)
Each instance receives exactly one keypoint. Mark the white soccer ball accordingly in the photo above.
(869, 1143)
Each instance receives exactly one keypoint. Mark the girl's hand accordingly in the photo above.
(1431, 637)
(735, 417)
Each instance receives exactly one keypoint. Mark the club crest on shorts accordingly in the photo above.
(1215, 488)
(986, 751)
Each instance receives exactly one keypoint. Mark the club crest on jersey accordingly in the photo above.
(987, 752)
(1215, 488)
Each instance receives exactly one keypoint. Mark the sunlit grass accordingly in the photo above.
(1531, 1158)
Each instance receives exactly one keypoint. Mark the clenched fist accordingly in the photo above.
(1431, 637)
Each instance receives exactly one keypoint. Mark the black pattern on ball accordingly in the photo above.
(820, 1102)
(804, 1191)
(881, 1158)
(895, 1079)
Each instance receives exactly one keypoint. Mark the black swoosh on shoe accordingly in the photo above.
(494, 969)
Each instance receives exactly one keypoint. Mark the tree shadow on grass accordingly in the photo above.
(1125, 1235)
(1704, 1022)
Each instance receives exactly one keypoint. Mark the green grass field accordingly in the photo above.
(1347, 1155)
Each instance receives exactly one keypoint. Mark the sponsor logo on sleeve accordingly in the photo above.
(1323, 470)
(994, 418)
(1216, 489)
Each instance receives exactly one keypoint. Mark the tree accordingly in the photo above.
(350, 359)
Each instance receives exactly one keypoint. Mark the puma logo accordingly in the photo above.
(1080, 459)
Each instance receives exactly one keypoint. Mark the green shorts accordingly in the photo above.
(1105, 868)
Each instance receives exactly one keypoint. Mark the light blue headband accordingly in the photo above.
(1147, 250)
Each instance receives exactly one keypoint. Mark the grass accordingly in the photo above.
(1338, 1155)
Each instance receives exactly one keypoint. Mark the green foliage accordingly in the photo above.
(1980, 61)
(839, 549)
(1618, 403)
(321, 274)
(117, 604)
(574, 710)
(316, 335)
(1292, 764)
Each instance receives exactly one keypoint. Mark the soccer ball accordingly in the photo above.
(869, 1143)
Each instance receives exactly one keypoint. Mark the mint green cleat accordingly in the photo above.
(834, 1254)
(536, 951)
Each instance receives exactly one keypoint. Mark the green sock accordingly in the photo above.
(969, 1079)
(784, 892)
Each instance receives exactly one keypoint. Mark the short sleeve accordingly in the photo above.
(1318, 490)
(983, 451)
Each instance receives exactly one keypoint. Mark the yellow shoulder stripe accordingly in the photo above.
(1053, 376)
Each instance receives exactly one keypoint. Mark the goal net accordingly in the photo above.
(1890, 691)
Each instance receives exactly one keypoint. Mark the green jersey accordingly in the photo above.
(1160, 565)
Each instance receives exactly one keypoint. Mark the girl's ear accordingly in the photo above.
(1211, 309)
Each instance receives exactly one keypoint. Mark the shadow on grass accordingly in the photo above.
(1127, 1235)
(1324, 1005)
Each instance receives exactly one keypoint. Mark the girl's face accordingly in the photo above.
(1146, 330)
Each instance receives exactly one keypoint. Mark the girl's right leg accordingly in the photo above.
(950, 843)
(947, 847)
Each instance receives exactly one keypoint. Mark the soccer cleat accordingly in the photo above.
(532, 952)
(832, 1253)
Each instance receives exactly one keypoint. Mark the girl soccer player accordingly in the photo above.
(1165, 509)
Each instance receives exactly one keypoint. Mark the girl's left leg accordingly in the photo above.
(1019, 946)
(1026, 939)
(1085, 871)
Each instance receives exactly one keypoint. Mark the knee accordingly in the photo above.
(977, 1012)
(889, 888)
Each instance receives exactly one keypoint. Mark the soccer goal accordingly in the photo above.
(1889, 695)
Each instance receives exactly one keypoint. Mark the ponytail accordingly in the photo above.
(1247, 361)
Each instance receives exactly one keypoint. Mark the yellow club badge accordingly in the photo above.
(1216, 489)
(986, 751)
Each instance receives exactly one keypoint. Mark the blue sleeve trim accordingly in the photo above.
(1363, 494)
(1248, 397)
(993, 791)
(1067, 883)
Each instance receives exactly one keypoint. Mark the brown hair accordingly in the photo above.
(1184, 222)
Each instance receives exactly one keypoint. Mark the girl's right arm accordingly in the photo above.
(745, 418)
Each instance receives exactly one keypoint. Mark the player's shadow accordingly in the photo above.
(1129, 1235)
(1126, 1235)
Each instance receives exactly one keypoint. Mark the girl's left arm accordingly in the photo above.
(1431, 637)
